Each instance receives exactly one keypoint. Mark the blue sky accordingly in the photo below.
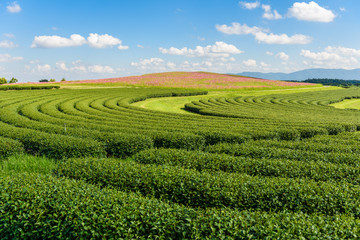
(99, 39)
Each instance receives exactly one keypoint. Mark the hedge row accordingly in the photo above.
(43, 207)
(249, 149)
(24, 87)
(10, 147)
(201, 161)
(53, 145)
(195, 189)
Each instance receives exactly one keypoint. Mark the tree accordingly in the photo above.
(52, 80)
(13, 80)
(3, 80)
(43, 80)
(63, 79)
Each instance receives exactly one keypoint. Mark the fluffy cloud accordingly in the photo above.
(79, 67)
(7, 44)
(94, 40)
(250, 5)
(268, 14)
(250, 63)
(153, 65)
(283, 56)
(103, 41)
(282, 38)
(57, 41)
(219, 49)
(44, 68)
(101, 69)
(333, 57)
(8, 58)
(310, 12)
(62, 66)
(238, 29)
(262, 36)
(13, 7)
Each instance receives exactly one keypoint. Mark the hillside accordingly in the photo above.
(197, 80)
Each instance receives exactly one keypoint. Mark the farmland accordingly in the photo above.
(227, 158)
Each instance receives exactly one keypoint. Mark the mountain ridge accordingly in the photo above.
(353, 74)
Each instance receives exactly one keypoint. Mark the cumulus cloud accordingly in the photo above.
(283, 56)
(262, 36)
(282, 38)
(13, 7)
(103, 41)
(8, 58)
(7, 44)
(310, 12)
(94, 40)
(219, 49)
(250, 63)
(57, 41)
(333, 57)
(62, 66)
(101, 69)
(269, 53)
(43, 68)
(153, 65)
(268, 14)
(249, 5)
(238, 29)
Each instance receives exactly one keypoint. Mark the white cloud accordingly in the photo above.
(261, 35)
(94, 40)
(250, 5)
(140, 46)
(310, 12)
(43, 68)
(56, 41)
(8, 58)
(153, 65)
(343, 9)
(101, 69)
(283, 56)
(269, 53)
(13, 7)
(282, 38)
(102, 41)
(7, 44)
(250, 63)
(9, 35)
(238, 29)
(333, 57)
(264, 64)
(62, 66)
(219, 49)
(268, 14)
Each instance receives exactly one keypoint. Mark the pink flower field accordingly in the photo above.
(193, 80)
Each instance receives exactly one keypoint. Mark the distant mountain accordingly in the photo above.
(353, 74)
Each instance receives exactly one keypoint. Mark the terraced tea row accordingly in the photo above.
(106, 116)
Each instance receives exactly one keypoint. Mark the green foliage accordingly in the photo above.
(63, 80)
(52, 80)
(35, 206)
(195, 189)
(13, 80)
(3, 80)
(9, 147)
(270, 167)
(43, 80)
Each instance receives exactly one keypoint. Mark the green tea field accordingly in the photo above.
(214, 157)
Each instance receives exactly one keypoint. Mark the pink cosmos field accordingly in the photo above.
(199, 80)
(194, 80)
